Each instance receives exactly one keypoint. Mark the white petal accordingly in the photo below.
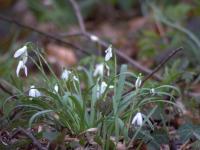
(108, 53)
(34, 92)
(137, 120)
(65, 74)
(94, 38)
(138, 82)
(56, 88)
(20, 51)
(75, 78)
(25, 70)
(99, 70)
(103, 87)
(19, 67)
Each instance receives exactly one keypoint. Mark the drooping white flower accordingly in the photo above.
(138, 82)
(94, 38)
(34, 92)
(75, 78)
(152, 91)
(65, 74)
(20, 66)
(99, 69)
(101, 88)
(22, 53)
(108, 52)
(137, 120)
(56, 88)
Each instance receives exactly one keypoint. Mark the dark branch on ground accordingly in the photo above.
(88, 35)
(29, 135)
(48, 35)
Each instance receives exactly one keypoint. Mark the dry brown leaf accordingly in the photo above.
(137, 23)
(62, 55)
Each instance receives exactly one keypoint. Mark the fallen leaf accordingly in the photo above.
(62, 55)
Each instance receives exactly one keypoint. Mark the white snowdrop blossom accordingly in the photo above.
(56, 88)
(75, 78)
(99, 69)
(22, 52)
(108, 52)
(94, 38)
(65, 74)
(23, 55)
(137, 120)
(152, 91)
(138, 82)
(34, 92)
(101, 89)
(20, 66)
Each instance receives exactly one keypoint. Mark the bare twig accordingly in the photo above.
(29, 135)
(5, 90)
(78, 15)
(161, 64)
(48, 35)
(105, 44)
(122, 55)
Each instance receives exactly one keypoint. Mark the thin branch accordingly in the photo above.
(105, 44)
(5, 90)
(161, 64)
(29, 135)
(78, 15)
(48, 35)
(119, 52)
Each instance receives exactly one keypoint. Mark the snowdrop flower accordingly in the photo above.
(99, 70)
(152, 91)
(65, 74)
(101, 89)
(138, 82)
(20, 66)
(94, 38)
(22, 52)
(75, 78)
(137, 120)
(34, 92)
(56, 88)
(108, 52)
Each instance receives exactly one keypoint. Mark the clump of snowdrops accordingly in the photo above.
(88, 98)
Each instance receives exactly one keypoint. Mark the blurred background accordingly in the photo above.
(146, 31)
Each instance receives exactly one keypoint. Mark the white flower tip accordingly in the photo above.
(34, 92)
(137, 120)
(108, 52)
(20, 51)
(99, 70)
(56, 88)
(138, 81)
(152, 91)
(20, 66)
(65, 74)
(94, 38)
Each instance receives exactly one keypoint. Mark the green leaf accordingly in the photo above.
(188, 131)
(37, 115)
